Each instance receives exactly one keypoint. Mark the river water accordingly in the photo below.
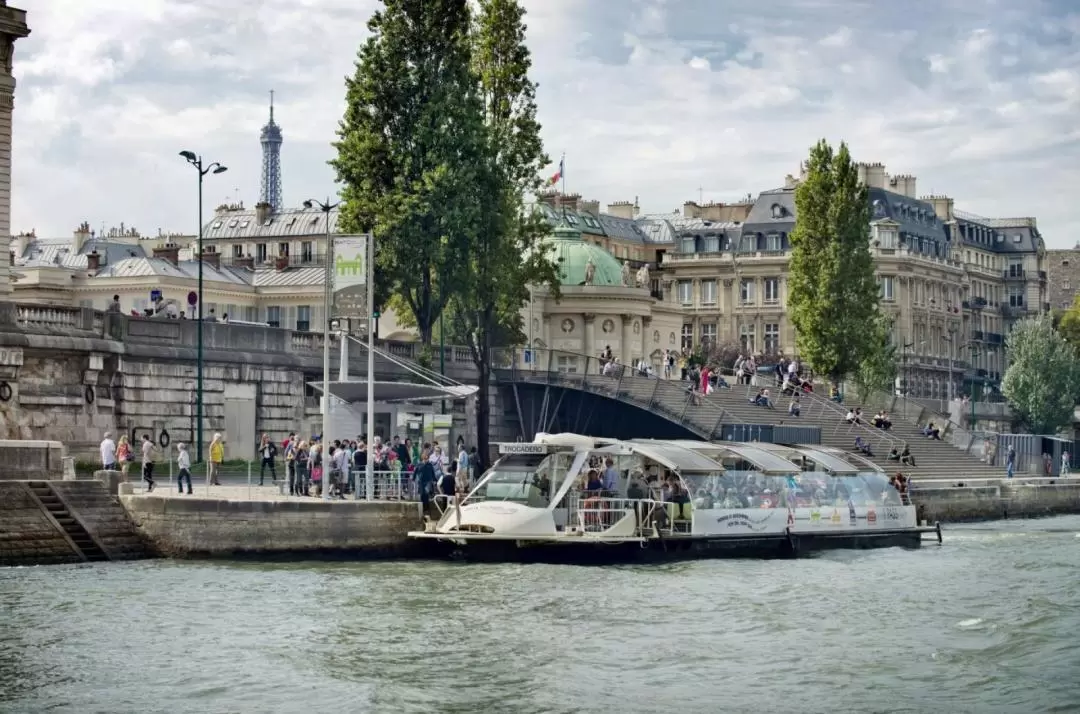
(990, 622)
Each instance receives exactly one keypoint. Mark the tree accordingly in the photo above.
(833, 293)
(877, 372)
(506, 255)
(1067, 323)
(1043, 377)
(409, 151)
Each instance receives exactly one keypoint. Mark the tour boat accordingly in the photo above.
(573, 498)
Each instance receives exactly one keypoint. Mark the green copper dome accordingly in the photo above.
(573, 255)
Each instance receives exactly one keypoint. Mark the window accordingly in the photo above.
(292, 220)
(772, 338)
(688, 244)
(774, 242)
(746, 292)
(712, 244)
(244, 223)
(571, 219)
(772, 291)
(273, 316)
(260, 252)
(217, 224)
(1066, 285)
(567, 364)
(777, 211)
(746, 338)
(886, 284)
(307, 253)
(283, 250)
(708, 333)
(1016, 299)
(1016, 270)
(748, 244)
(688, 337)
(686, 296)
(303, 318)
(233, 222)
(708, 292)
(887, 238)
(238, 251)
(1017, 238)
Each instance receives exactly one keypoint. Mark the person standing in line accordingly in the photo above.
(183, 463)
(108, 453)
(148, 462)
(290, 465)
(268, 451)
(462, 468)
(217, 457)
(1010, 461)
(1065, 464)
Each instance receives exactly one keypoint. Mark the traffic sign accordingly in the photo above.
(193, 298)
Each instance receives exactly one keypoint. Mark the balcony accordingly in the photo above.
(312, 260)
(682, 258)
(1014, 274)
(977, 336)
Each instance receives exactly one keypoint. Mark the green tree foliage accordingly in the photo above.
(877, 372)
(1067, 322)
(1043, 378)
(505, 253)
(833, 293)
(410, 150)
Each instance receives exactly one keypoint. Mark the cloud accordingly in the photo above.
(648, 98)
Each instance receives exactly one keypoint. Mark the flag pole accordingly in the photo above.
(562, 172)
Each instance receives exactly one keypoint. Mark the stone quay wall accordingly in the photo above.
(215, 527)
(990, 501)
(73, 374)
(28, 535)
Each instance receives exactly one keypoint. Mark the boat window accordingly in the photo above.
(523, 478)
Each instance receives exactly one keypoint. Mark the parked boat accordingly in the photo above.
(573, 498)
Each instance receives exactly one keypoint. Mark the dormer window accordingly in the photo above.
(244, 224)
(292, 220)
(233, 222)
(777, 211)
(1017, 238)
(879, 209)
(217, 224)
(571, 219)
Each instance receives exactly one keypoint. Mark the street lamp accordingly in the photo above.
(214, 168)
(328, 303)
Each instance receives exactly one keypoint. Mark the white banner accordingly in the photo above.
(350, 262)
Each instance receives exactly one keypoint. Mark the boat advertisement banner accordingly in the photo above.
(770, 521)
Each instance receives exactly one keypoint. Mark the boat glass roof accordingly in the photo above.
(831, 462)
(765, 461)
(675, 457)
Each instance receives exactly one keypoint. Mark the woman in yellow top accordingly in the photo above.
(123, 455)
(217, 455)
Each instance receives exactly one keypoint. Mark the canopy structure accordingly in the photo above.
(766, 461)
(352, 392)
(673, 456)
(834, 463)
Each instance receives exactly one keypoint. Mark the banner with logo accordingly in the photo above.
(350, 262)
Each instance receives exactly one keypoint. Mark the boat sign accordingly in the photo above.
(522, 448)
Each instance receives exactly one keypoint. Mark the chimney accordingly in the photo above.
(81, 235)
(550, 198)
(592, 207)
(690, 209)
(93, 261)
(943, 207)
(263, 211)
(281, 262)
(873, 175)
(211, 258)
(246, 262)
(621, 209)
(169, 252)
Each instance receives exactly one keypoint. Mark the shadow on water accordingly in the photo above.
(984, 624)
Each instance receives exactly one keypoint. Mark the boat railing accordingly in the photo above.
(596, 513)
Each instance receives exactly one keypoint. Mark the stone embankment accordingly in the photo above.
(52, 522)
(964, 502)
(234, 522)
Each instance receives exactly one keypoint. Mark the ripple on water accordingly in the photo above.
(986, 623)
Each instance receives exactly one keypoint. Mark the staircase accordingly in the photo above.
(86, 546)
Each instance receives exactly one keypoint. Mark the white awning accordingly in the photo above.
(675, 457)
(353, 392)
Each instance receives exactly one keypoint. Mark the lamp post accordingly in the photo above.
(328, 303)
(215, 168)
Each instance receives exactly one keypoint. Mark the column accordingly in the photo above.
(625, 348)
(588, 341)
(12, 27)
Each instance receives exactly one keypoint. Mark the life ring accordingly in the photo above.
(163, 439)
(5, 392)
(88, 393)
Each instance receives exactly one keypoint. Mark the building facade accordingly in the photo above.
(1063, 277)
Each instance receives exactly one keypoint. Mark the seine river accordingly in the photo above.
(988, 623)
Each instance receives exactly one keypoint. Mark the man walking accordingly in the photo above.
(268, 451)
(108, 453)
(183, 462)
(148, 462)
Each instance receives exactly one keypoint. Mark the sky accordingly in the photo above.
(661, 100)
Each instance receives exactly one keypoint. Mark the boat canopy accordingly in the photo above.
(830, 462)
(673, 456)
(765, 461)
(859, 460)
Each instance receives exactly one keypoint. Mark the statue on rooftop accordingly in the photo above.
(590, 272)
(626, 274)
(643, 276)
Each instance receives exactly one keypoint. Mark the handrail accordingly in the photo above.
(916, 484)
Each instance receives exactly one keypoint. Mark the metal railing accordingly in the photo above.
(588, 513)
